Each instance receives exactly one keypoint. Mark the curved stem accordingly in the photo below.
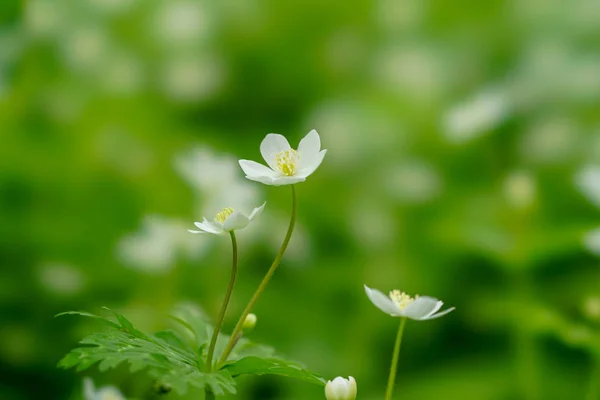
(215, 335)
(394, 366)
(263, 284)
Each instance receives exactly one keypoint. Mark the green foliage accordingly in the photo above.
(172, 360)
(274, 366)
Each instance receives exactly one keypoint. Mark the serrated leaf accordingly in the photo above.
(165, 356)
(87, 314)
(273, 366)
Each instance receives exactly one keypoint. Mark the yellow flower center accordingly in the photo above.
(401, 299)
(223, 214)
(286, 161)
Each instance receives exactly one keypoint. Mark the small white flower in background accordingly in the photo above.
(341, 389)
(157, 245)
(103, 393)
(287, 166)
(400, 304)
(250, 322)
(588, 182)
(227, 220)
(520, 189)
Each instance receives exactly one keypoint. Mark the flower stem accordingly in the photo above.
(215, 335)
(394, 366)
(265, 281)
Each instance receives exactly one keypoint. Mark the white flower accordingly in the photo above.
(227, 220)
(341, 389)
(287, 166)
(400, 304)
(103, 393)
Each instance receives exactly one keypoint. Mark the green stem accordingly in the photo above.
(238, 327)
(221, 317)
(394, 366)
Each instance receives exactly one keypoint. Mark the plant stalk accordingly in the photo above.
(221, 317)
(238, 327)
(394, 366)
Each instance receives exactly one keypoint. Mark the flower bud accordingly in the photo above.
(249, 322)
(341, 389)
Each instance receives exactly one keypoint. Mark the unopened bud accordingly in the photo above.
(249, 322)
(341, 389)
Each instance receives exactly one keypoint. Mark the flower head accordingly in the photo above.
(400, 304)
(341, 389)
(227, 220)
(286, 165)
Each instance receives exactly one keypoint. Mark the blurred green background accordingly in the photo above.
(463, 163)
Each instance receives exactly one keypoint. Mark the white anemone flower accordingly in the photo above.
(341, 389)
(227, 220)
(287, 166)
(400, 304)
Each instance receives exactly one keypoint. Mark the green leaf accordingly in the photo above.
(164, 355)
(273, 366)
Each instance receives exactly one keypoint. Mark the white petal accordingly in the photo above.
(286, 180)
(440, 314)
(308, 166)
(254, 169)
(209, 227)
(262, 179)
(351, 387)
(192, 231)
(272, 144)
(256, 212)
(310, 145)
(330, 391)
(383, 302)
(420, 308)
(235, 221)
(437, 307)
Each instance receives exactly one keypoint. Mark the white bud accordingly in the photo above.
(341, 389)
(249, 322)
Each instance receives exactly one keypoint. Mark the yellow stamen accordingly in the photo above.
(401, 299)
(222, 216)
(286, 161)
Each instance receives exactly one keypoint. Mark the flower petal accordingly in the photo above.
(209, 227)
(256, 212)
(351, 388)
(254, 169)
(383, 302)
(192, 231)
(309, 165)
(437, 307)
(420, 308)
(272, 144)
(262, 179)
(287, 180)
(235, 221)
(440, 314)
(310, 144)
